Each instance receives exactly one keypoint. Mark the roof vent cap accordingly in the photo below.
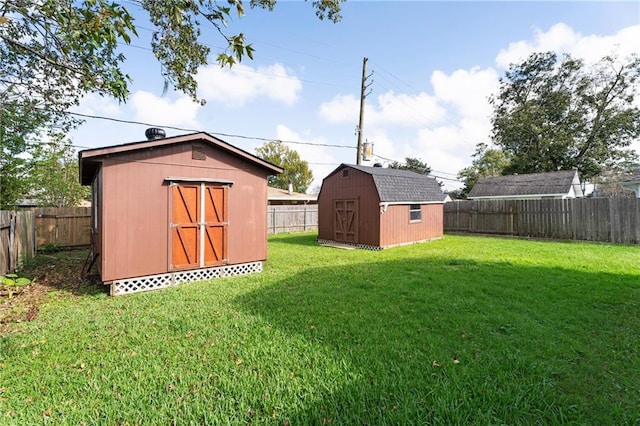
(377, 165)
(153, 133)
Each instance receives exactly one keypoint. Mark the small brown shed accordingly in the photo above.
(176, 209)
(376, 207)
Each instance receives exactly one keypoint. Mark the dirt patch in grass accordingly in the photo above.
(54, 275)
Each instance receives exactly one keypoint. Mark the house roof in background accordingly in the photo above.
(545, 184)
(90, 158)
(396, 186)
(277, 194)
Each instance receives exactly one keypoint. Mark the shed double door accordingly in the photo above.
(345, 221)
(199, 225)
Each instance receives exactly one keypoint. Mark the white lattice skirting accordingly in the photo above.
(155, 282)
(373, 248)
(340, 243)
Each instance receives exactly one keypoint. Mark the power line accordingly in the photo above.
(182, 129)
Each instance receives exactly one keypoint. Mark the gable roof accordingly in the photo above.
(90, 158)
(400, 186)
(532, 184)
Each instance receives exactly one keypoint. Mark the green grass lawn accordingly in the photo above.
(457, 331)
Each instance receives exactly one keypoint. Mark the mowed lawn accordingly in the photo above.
(464, 330)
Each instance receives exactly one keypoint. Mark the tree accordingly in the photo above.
(48, 175)
(486, 162)
(56, 51)
(75, 43)
(15, 132)
(296, 170)
(54, 176)
(412, 164)
(558, 114)
(608, 183)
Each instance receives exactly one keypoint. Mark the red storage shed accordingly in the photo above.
(376, 207)
(176, 209)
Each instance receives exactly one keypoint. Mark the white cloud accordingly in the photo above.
(561, 38)
(467, 90)
(407, 110)
(446, 149)
(390, 108)
(320, 160)
(93, 104)
(625, 42)
(236, 86)
(447, 146)
(149, 108)
(340, 109)
(441, 129)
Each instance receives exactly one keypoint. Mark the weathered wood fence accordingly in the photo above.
(17, 239)
(63, 227)
(298, 218)
(614, 220)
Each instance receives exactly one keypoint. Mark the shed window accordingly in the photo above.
(415, 212)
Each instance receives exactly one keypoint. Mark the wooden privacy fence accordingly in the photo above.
(17, 239)
(63, 227)
(68, 227)
(297, 218)
(614, 220)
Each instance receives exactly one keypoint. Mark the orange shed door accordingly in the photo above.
(345, 221)
(216, 223)
(198, 225)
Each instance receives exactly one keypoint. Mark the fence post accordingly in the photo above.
(273, 222)
(12, 238)
(457, 216)
(304, 220)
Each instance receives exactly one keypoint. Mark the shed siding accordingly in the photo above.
(396, 228)
(136, 211)
(96, 219)
(358, 186)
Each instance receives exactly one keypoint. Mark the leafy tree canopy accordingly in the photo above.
(412, 164)
(54, 176)
(56, 51)
(608, 183)
(18, 122)
(296, 170)
(556, 113)
(486, 162)
(59, 48)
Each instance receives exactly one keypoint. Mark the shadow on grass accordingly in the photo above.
(301, 239)
(455, 341)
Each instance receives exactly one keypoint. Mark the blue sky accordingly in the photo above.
(434, 64)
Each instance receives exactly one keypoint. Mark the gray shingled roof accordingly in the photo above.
(396, 186)
(550, 183)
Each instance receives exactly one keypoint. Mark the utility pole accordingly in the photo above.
(363, 88)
